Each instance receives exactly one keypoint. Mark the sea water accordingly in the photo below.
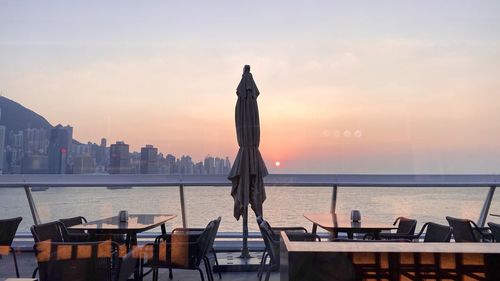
(284, 206)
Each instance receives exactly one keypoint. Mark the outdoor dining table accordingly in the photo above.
(136, 223)
(336, 223)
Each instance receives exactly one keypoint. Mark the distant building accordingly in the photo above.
(83, 164)
(2, 147)
(35, 140)
(69, 131)
(35, 164)
(170, 164)
(101, 156)
(209, 165)
(227, 165)
(119, 158)
(14, 153)
(58, 150)
(149, 160)
(186, 165)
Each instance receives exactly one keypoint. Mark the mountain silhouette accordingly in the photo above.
(16, 117)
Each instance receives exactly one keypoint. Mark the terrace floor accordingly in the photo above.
(27, 263)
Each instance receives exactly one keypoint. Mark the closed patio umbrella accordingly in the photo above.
(248, 169)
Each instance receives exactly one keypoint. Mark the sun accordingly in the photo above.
(277, 163)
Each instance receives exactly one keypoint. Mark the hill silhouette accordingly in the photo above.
(17, 117)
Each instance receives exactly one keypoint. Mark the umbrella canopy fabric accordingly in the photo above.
(248, 169)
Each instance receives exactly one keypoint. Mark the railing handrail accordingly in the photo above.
(344, 180)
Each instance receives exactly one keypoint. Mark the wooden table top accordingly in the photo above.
(135, 223)
(387, 247)
(332, 222)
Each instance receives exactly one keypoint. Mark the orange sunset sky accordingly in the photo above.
(386, 87)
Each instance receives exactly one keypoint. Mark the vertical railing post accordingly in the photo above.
(183, 206)
(486, 207)
(31, 202)
(333, 205)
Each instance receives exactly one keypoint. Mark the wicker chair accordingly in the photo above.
(295, 233)
(8, 229)
(435, 232)
(83, 261)
(406, 229)
(495, 230)
(465, 230)
(194, 245)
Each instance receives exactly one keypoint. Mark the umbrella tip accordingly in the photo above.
(246, 68)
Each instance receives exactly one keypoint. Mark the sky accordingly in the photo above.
(346, 87)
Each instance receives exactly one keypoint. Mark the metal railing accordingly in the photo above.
(336, 181)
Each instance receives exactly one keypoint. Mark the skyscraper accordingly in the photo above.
(2, 147)
(209, 164)
(119, 158)
(149, 160)
(101, 154)
(58, 150)
(2, 143)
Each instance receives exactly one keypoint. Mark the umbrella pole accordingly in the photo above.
(245, 254)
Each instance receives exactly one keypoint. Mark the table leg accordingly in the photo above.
(163, 229)
(128, 242)
(350, 234)
(314, 229)
(132, 238)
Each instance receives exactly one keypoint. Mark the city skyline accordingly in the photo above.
(385, 87)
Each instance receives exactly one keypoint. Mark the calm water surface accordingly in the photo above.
(284, 205)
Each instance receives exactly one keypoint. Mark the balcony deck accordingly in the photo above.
(27, 263)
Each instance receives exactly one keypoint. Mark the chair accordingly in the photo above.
(83, 261)
(406, 229)
(495, 230)
(54, 232)
(51, 231)
(69, 222)
(272, 247)
(295, 233)
(8, 229)
(183, 249)
(435, 232)
(465, 230)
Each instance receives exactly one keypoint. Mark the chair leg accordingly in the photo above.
(170, 273)
(15, 261)
(268, 274)
(201, 274)
(210, 276)
(217, 263)
(262, 261)
(34, 273)
(262, 267)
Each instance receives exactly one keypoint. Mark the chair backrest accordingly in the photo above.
(213, 234)
(205, 238)
(259, 219)
(272, 245)
(406, 225)
(53, 231)
(437, 232)
(8, 228)
(495, 230)
(462, 230)
(87, 261)
(69, 222)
